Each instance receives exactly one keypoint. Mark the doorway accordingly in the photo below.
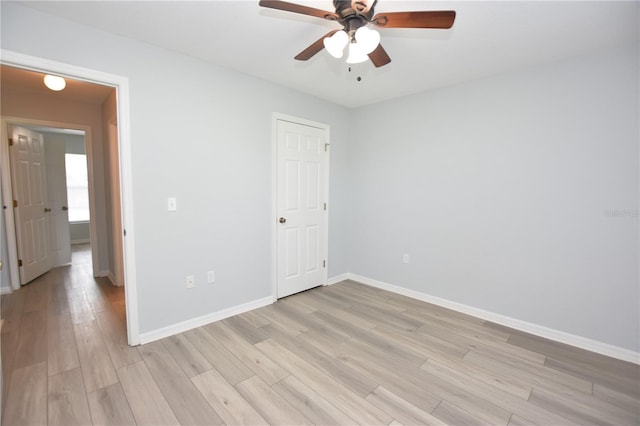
(52, 206)
(122, 167)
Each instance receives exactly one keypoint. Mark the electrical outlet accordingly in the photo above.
(405, 258)
(191, 281)
(211, 277)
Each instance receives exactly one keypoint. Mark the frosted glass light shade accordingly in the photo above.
(368, 39)
(54, 82)
(336, 43)
(356, 54)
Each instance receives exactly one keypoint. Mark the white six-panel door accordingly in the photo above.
(31, 211)
(301, 207)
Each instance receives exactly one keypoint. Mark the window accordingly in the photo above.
(77, 187)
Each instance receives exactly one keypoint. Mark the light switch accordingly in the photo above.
(171, 205)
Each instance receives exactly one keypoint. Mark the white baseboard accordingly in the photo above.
(528, 327)
(180, 327)
(5, 290)
(113, 280)
(337, 279)
(102, 274)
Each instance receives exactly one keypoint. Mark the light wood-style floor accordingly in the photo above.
(345, 354)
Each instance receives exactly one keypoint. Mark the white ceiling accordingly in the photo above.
(487, 38)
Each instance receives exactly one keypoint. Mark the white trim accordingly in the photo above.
(192, 323)
(528, 327)
(121, 84)
(338, 278)
(274, 206)
(275, 117)
(101, 274)
(113, 280)
(93, 227)
(82, 241)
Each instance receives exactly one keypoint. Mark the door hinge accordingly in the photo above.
(19, 263)
(10, 141)
(15, 203)
(125, 232)
(325, 206)
(324, 263)
(326, 147)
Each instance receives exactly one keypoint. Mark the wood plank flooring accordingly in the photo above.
(344, 354)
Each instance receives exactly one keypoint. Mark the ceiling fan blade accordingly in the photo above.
(379, 57)
(298, 8)
(315, 47)
(429, 19)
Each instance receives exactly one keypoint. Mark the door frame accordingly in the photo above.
(121, 84)
(275, 117)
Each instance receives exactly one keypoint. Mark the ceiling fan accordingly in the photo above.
(354, 16)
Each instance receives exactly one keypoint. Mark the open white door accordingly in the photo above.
(30, 198)
(57, 202)
(301, 207)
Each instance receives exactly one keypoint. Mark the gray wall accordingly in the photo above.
(503, 192)
(74, 144)
(202, 134)
(79, 232)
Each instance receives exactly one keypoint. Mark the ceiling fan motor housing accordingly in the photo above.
(348, 9)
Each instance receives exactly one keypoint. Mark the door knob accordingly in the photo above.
(65, 208)
(46, 210)
(283, 220)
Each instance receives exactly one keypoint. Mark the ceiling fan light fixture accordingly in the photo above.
(368, 39)
(336, 43)
(54, 82)
(356, 54)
